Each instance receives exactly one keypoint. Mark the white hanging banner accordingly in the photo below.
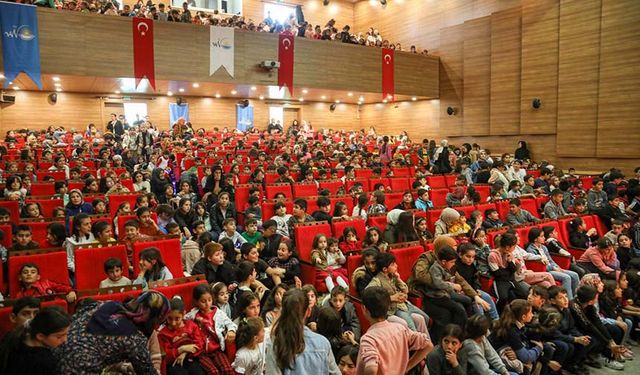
(221, 49)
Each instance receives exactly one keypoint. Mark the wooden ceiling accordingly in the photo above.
(126, 87)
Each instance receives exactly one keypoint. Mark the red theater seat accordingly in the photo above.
(349, 183)
(437, 182)
(52, 266)
(379, 221)
(39, 230)
(184, 290)
(338, 226)
(304, 190)
(378, 180)
(432, 216)
(406, 256)
(42, 189)
(47, 205)
(353, 261)
(400, 183)
(116, 199)
(90, 264)
(5, 312)
(331, 185)
(451, 179)
(14, 209)
(273, 189)
(530, 205)
(503, 208)
(170, 251)
(268, 209)
(304, 235)
(122, 220)
(363, 172)
(7, 240)
(439, 197)
(483, 190)
(57, 176)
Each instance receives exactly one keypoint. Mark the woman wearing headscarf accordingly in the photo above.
(448, 217)
(159, 182)
(77, 204)
(442, 157)
(104, 334)
(390, 229)
(522, 152)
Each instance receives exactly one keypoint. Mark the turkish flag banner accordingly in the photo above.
(388, 84)
(285, 56)
(143, 57)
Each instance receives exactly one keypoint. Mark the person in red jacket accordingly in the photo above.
(181, 341)
(31, 285)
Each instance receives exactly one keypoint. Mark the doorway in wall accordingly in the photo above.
(276, 114)
(135, 112)
(290, 114)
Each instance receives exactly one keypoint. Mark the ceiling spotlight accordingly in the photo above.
(301, 99)
(57, 84)
(196, 85)
(414, 98)
(56, 79)
(384, 100)
(253, 88)
(117, 91)
(350, 94)
(305, 91)
(383, 2)
(337, 102)
(1, 76)
(323, 97)
(389, 96)
(59, 89)
(261, 97)
(181, 90)
(16, 88)
(169, 93)
(325, 2)
(233, 92)
(217, 95)
(361, 97)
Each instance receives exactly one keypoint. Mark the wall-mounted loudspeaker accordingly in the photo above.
(332, 107)
(53, 98)
(243, 103)
(325, 2)
(451, 111)
(536, 103)
(180, 101)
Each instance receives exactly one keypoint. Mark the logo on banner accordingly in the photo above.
(286, 43)
(221, 49)
(222, 43)
(23, 32)
(143, 28)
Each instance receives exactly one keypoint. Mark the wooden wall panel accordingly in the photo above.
(419, 22)
(451, 74)
(345, 116)
(419, 119)
(618, 121)
(477, 76)
(505, 71)
(539, 66)
(578, 70)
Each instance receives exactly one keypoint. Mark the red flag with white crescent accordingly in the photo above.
(143, 57)
(285, 56)
(388, 84)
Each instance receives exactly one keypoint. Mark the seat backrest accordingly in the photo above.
(400, 183)
(491, 236)
(170, 251)
(350, 182)
(268, 209)
(116, 199)
(563, 229)
(47, 205)
(119, 297)
(273, 189)
(338, 225)
(304, 235)
(439, 196)
(52, 266)
(90, 264)
(437, 181)
(363, 172)
(523, 234)
(467, 210)
(530, 205)
(57, 175)
(377, 180)
(432, 216)
(378, 221)
(406, 257)
(331, 185)
(7, 240)
(393, 199)
(185, 291)
(401, 171)
(485, 206)
(556, 225)
(450, 179)
(42, 188)
(342, 198)
(483, 190)
(304, 190)
(503, 208)
(599, 225)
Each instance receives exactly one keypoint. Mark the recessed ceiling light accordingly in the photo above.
(196, 85)
(181, 90)
(1, 76)
(253, 88)
(384, 100)
(389, 96)
(261, 97)
(323, 97)
(414, 98)
(57, 84)
(233, 92)
(301, 99)
(305, 91)
(56, 79)
(59, 89)
(217, 95)
(169, 93)
(16, 88)
(117, 91)
(350, 93)
(337, 102)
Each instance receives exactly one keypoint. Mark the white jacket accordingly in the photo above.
(221, 321)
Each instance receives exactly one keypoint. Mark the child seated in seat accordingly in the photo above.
(250, 357)
(31, 285)
(328, 259)
(181, 341)
(113, 269)
(349, 323)
(461, 225)
(251, 233)
(349, 240)
(230, 232)
(24, 309)
(287, 260)
(32, 210)
(132, 235)
(24, 239)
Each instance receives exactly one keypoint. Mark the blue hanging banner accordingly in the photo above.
(176, 111)
(20, 46)
(244, 117)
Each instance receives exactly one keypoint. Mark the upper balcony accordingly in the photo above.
(89, 45)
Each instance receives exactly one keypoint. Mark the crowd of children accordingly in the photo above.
(545, 321)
